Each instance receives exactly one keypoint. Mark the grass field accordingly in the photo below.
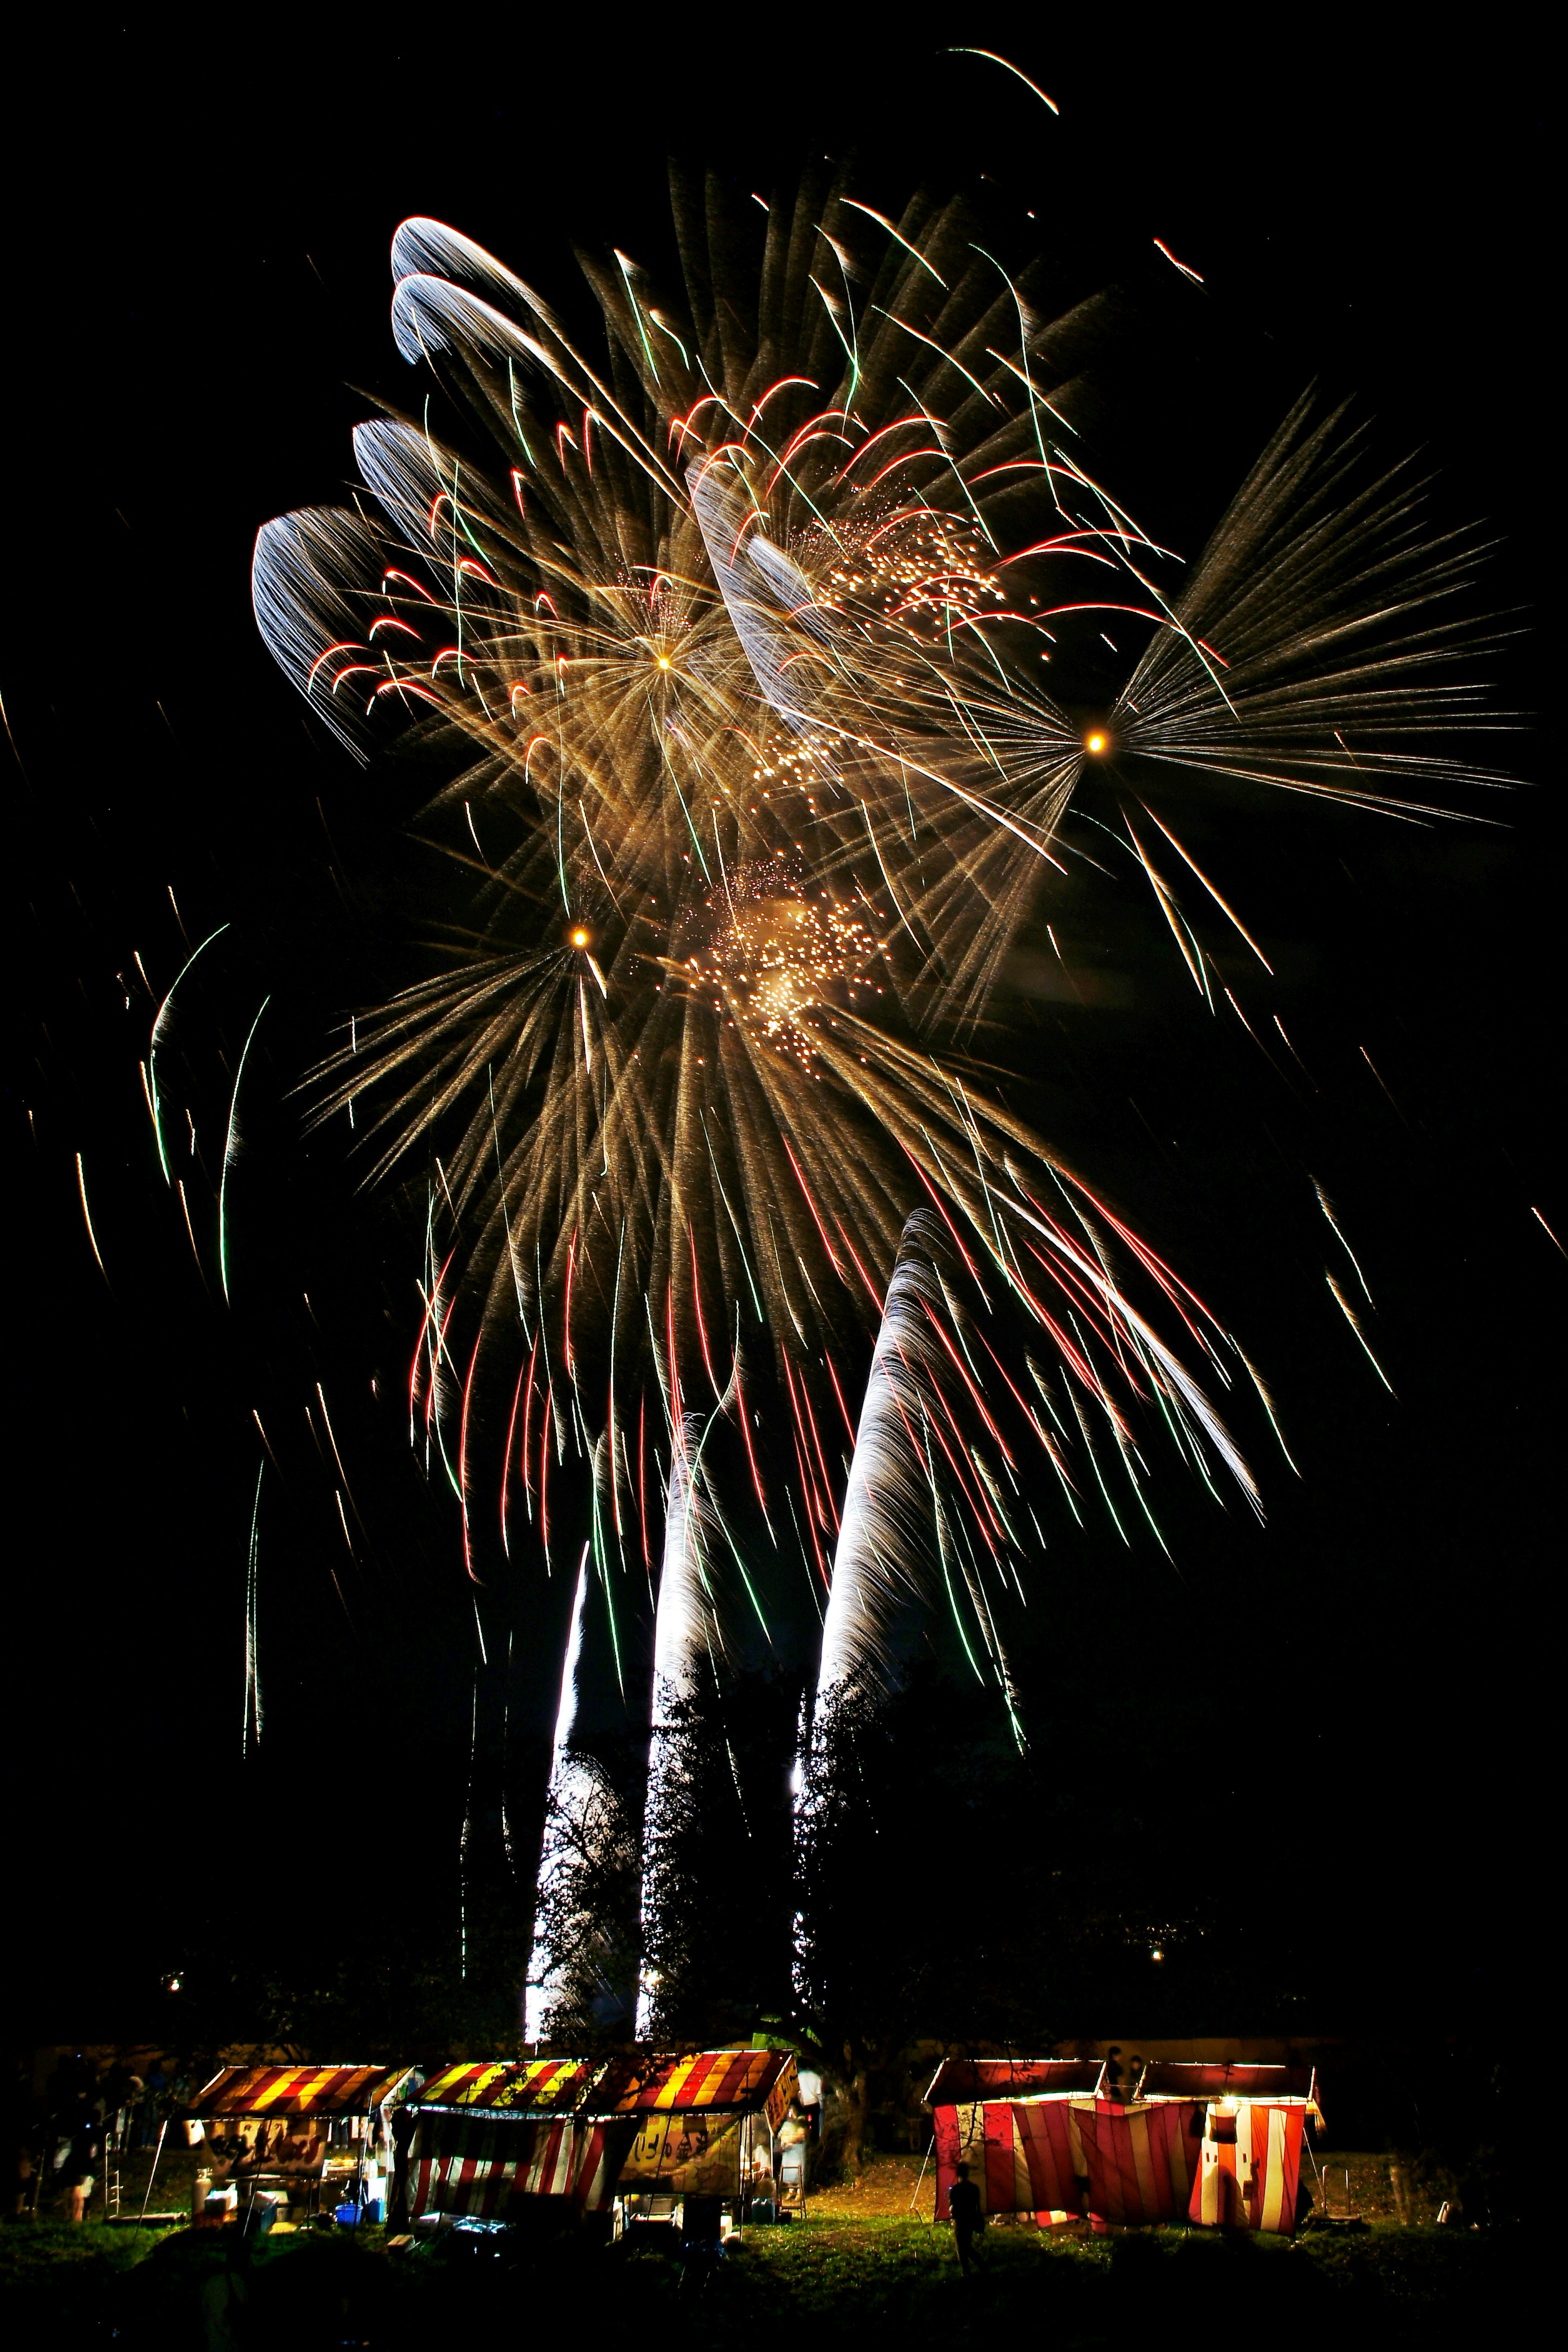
(859, 2271)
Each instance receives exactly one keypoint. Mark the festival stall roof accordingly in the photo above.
(532, 2086)
(971, 2082)
(740, 2082)
(299, 2090)
(1221, 2079)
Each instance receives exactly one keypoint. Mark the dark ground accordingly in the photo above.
(832, 2281)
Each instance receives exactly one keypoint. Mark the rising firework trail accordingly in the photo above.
(569, 1791)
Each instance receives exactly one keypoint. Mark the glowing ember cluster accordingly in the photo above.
(906, 570)
(774, 954)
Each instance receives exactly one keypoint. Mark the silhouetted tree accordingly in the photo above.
(717, 1892)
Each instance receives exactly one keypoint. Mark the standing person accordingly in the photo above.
(792, 2135)
(81, 2160)
(151, 2103)
(968, 2220)
(120, 2087)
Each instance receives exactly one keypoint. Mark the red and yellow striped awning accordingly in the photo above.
(747, 2079)
(298, 2090)
(513, 2086)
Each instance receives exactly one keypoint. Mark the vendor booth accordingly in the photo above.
(489, 2137)
(705, 2126)
(300, 2135)
(1014, 2123)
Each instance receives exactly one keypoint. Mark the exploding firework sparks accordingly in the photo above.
(733, 636)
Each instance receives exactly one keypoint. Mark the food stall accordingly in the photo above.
(490, 2139)
(702, 2126)
(300, 2136)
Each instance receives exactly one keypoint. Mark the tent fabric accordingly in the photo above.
(477, 2167)
(747, 2079)
(298, 2090)
(1142, 2161)
(1024, 2156)
(961, 2082)
(1249, 2167)
(535, 2085)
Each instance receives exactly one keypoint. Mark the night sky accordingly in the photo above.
(198, 315)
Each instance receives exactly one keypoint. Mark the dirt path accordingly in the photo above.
(882, 2191)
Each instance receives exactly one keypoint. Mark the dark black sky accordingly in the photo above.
(198, 281)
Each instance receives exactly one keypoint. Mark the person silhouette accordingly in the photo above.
(968, 2220)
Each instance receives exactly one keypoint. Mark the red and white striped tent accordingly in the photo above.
(1219, 2144)
(1015, 2122)
(1140, 2161)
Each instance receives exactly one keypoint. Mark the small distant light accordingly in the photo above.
(579, 939)
(1157, 1954)
(1095, 742)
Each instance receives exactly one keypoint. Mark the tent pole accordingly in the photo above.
(920, 2184)
(147, 2192)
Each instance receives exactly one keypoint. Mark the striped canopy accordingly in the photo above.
(965, 2081)
(746, 2080)
(509, 2087)
(1222, 2078)
(298, 2090)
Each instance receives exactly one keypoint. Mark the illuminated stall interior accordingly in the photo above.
(301, 2138)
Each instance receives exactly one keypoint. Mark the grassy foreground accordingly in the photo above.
(835, 2281)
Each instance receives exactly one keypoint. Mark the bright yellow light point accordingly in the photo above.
(579, 939)
(664, 661)
(1095, 742)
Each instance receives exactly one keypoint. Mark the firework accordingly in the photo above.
(732, 638)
